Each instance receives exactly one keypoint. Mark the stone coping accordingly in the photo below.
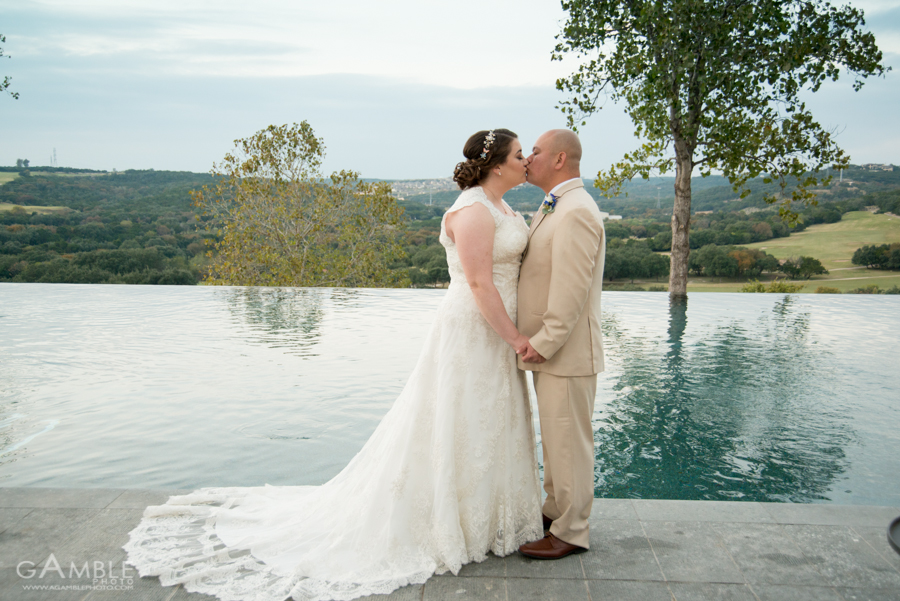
(645, 550)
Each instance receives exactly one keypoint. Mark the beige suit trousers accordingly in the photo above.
(565, 406)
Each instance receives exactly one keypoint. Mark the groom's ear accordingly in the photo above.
(560, 161)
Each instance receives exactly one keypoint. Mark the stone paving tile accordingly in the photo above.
(179, 594)
(519, 566)
(60, 498)
(406, 593)
(868, 594)
(530, 589)
(465, 589)
(39, 533)
(18, 593)
(691, 552)
(847, 559)
(707, 550)
(10, 516)
(101, 538)
(877, 539)
(766, 555)
(773, 592)
(141, 499)
(705, 591)
(8, 576)
(700, 511)
(626, 590)
(612, 509)
(620, 551)
(493, 566)
(831, 515)
(143, 589)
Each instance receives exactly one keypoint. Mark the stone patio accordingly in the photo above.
(640, 551)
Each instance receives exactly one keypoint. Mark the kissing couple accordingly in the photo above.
(451, 471)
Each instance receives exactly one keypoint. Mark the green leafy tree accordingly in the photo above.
(810, 267)
(281, 224)
(875, 256)
(716, 85)
(7, 81)
(802, 267)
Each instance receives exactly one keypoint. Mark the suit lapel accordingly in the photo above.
(539, 215)
(535, 222)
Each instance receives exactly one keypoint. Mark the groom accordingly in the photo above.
(559, 310)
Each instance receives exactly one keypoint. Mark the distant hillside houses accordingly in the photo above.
(404, 188)
(877, 167)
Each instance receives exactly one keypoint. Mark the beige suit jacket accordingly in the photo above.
(560, 285)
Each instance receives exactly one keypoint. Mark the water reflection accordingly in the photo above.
(719, 411)
(755, 397)
(285, 318)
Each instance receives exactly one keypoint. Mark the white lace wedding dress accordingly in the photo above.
(449, 474)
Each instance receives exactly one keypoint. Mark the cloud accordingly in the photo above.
(465, 44)
(395, 88)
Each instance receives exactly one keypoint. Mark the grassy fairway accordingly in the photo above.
(834, 243)
(831, 243)
(40, 210)
(7, 176)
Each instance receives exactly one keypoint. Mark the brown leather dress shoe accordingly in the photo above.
(547, 522)
(549, 547)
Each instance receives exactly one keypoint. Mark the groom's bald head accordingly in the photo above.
(556, 157)
(566, 141)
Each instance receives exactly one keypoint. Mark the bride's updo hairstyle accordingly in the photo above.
(483, 151)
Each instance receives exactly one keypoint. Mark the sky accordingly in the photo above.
(394, 87)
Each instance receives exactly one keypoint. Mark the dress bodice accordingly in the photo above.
(510, 239)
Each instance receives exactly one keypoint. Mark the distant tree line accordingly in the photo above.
(883, 256)
(132, 227)
(739, 262)
(731, 262)
(140, 227)
(632, 259)
(724, 228)
(887, 202)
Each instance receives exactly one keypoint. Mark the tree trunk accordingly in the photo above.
(681, 220)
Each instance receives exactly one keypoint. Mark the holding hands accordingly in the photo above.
(529, 355)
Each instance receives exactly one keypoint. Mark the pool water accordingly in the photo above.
(758, 397)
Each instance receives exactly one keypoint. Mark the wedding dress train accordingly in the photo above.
(449, 474)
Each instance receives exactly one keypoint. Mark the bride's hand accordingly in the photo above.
(520, 344)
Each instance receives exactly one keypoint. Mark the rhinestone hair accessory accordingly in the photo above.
(488, 141)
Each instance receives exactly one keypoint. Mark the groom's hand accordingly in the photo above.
(529, 355)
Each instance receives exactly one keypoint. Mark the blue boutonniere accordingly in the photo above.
(549, 204)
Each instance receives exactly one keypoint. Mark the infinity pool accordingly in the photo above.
(732, 396)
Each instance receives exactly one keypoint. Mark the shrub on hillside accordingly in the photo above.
(624, 287)
(778, 286)
(827, 290)
(875, 290)
(865, 290)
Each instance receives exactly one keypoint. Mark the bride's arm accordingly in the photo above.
(472, 229)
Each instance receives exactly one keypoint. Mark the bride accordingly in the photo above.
(449, 474)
